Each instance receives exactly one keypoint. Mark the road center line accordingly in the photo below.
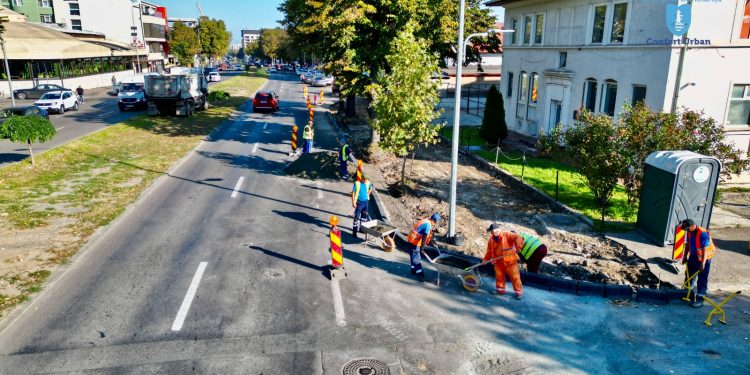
(237, 187)
(182, 313)
(319, 189)
(255, 148)
(338, 303)
(264, 126)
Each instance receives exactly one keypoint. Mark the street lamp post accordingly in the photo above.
(3, 20)
(134, 33)
(457, 116)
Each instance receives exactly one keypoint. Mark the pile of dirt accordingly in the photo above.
(574, 252)
(315, 166)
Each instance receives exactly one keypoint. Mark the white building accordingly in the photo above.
(599, 54)
(249, 36)
(120, 20)
(189, 22)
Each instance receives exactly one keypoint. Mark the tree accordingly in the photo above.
(241, 54)
(27, 129)
(405, 98)
(214, 37)
(493, 128)
(252, 49)
(271, 42)
(183, 41)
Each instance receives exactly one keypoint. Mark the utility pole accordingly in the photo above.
(456, 124)
(134, 34)
(3, 21)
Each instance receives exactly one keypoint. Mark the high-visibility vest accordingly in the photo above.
(344, 153)
(530, 244)
(307, 133)
(503, 248)
(415, 238)
(709, 250)
(357, 186)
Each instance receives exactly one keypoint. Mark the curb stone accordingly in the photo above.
(657, 296)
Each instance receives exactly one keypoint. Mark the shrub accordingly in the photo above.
(218, 95)
(494, 129)
(261, 73)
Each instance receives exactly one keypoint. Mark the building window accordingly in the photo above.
(745, 29)
(523, 92)
(18, 3)
(76, 25)
(739, 105)
(609, 96)
(527, 30)
(75, 10)
(600, 16)
(509, 90)
(639, 94)
(589, 94)
(563, 60)
(45, 3)
(618, 23)
(533, 97)
(514, 27)
(539, 31)
(46, 18)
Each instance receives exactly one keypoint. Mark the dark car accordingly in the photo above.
(37, 91)
(23, 111)
(266, 100)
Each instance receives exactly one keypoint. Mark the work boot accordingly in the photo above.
(518, 297)
(698, 303)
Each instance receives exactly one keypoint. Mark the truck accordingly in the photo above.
(179, 93)
(131, 93)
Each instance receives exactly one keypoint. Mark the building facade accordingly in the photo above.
(35, 10)
(143, 26)
(189, 22)
(249, 36)
(601, 54)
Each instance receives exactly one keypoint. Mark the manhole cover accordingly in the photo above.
(365, 366)
(274, 273)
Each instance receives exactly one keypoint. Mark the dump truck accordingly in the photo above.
(180, 93)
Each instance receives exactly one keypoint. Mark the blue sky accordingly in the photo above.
(237, 14)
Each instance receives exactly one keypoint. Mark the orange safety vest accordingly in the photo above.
(504, 248)
(415, 238)
(710, 250)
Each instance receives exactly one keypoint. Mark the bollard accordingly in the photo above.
(295, 129)
(337, 253)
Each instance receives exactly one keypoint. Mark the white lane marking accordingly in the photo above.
(255, 148)
(319, 187)
(182, 313)
(264, 126)
(237, 187)
(338, 303)
(61, 128)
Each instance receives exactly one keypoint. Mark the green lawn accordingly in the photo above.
(468, 135)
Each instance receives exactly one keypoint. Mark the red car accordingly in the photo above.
(266, 100)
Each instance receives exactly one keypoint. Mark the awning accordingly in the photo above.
(26, 41)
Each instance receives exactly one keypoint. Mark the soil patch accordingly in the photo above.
(316, 165)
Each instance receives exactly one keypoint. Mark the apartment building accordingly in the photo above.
(189, 22)
(600, 55)
(249, 36)
(35, 10)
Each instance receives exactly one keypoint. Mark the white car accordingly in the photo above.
(329, 80)
(58, 101)
(213, 77)
(319, 81)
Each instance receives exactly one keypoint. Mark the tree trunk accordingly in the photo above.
(31, 153)
(351, 106)
(403, 172)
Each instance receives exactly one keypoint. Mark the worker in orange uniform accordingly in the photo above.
(419, 237)
(504, 245)
(698, 257)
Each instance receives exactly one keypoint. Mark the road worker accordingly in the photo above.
(698, 258)
(307, 136)
(532, 252)
(361, 192)
(503, 246)
(345, 154)
(419, 237)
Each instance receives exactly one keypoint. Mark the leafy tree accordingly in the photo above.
(241, 54)
(29, 129)
(271, 42)
(493, 128)
(405, 98)
(252, 49)
(214, 37)
(183, 41)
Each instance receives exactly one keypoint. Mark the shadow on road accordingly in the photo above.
(323, 269)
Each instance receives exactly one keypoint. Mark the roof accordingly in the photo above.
(12, 16)
(243, 32)
(671, 161)
(27, 41)
(499, 3)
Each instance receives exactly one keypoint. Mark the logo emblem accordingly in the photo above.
(678, 17)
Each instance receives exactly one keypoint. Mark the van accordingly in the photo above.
(131, 93)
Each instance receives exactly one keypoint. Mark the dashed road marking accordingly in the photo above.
(182, 313)
(237, 187)
(319, 189)
(255, 148)
(338, 303)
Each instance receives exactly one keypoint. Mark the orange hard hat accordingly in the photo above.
(334, 220)
(359, 163)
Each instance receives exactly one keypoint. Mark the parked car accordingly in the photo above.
(309, 78)
(58, 101)
(37, 91)
(29, 110)
(266, 100)
(319, 81)
(329, 80)
(213, 77)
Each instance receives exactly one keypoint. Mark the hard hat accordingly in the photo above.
(334, 220)
(435, 217)
(359, 162)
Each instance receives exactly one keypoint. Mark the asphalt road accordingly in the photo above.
(219, 269)
(98, 112)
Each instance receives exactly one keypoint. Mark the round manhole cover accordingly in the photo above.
(365, 366)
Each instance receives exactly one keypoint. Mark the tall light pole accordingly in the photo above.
(457, 116)
(3, 20)
(134, 33)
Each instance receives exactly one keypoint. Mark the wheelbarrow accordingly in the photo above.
(470, 277)
(382, 234)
